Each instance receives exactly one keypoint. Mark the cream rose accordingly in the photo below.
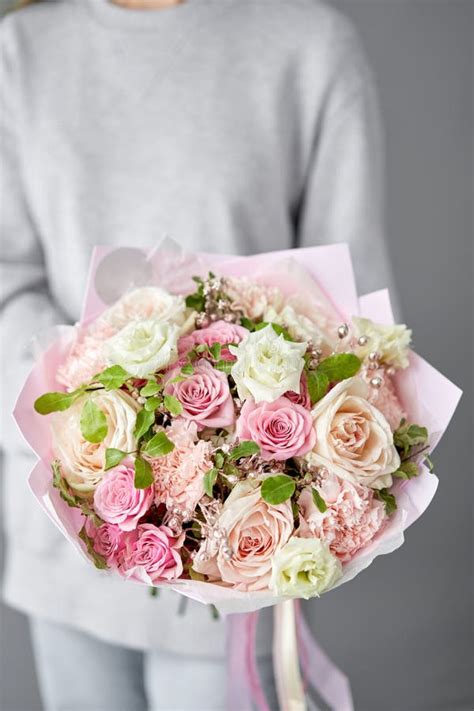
(391, 342)
(267, 365)
(143, 347)
(255, 532)
(83, 462)
(353, 438)
(305, 567)
(148, 302)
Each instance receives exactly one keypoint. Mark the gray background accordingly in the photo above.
(403, 629)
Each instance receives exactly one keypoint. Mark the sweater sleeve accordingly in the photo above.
(26, 306)
(343, 197)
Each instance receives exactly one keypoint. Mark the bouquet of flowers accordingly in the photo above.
(244, 430)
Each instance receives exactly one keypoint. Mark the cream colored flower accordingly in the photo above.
(148, 302)
(251, 298)
(353, 438)
(391, 342)
(267, 365)
(305, 567)
(300, 327)
(143, 347)
(83, 462)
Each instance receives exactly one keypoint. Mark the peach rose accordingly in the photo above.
(255, 531)
(353, 438)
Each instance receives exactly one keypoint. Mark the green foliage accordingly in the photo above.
(339, 366)
(158, 446)
(112, 378)
(209, 480)
(93, 422)
(407, 470)
(153, 403)
(151, 388)
(70, 497)
(319, 501)
(173, 405)
(318, 384)
(98, 560)
(145, 419)
(143, 474)
(408, 436)
(187, 369)
(113, 457)
(225, 366)
(246, 448)
(55, 402)
(388, 499)
(277, 489)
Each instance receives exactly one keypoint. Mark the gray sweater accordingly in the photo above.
(238, 126)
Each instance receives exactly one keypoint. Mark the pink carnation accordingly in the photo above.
(281, 428)
(107, 540)
(179, 475)
(86, 358)
(251, 298)
(385, 399)
(116, 499)
(151, 554)
(352, 518)
(218, 332)
(204, 395)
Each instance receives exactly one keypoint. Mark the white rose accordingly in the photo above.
(391, 342)
(353, 438)
(305, 567)
(267, 365)
(83, 462)
(143, 347)
(148, 302)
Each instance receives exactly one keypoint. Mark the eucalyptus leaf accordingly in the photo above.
(277, 489)
(143, 474)
(158, 446)
(339, 366)
(93, 423)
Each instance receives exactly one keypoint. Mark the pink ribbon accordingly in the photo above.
(245, 690)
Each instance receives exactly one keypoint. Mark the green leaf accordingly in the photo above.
(246, 448)
(215, 350)
(339, 366)
(151, 388)
(112, 378)
(318, 384)
(247, 323)
(159, 445)
(93, 423)
(429, 463)
(194, 575)
(187, 369)
(60, 483)
(173, 405)
(143, 474)
(98, 560)
(277, 489)
(209, 480)
(319, 501)
(195, 301)
(55, 402)
(113, 457)
(144, 421)
(388, 499)
(152, 403)
(225, 366)
(154, 592)
(408, 436)
(407, 470)
(219, 459)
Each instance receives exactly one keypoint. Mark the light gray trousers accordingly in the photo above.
(78, 672)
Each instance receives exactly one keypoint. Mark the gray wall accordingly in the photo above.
(402, 630)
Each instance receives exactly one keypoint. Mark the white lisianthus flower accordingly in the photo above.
(353, 438)
(304, 567)
(83, 462)
(147, 302)
(143, 347)
(391, 342)
(267, 365)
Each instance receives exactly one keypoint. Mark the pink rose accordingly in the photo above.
(204, 395)
(352, 518)
(281, 428)
(116, 499)
(218, 332)
(107, 540)
(151, 554)
(255, 532)
(302, 398)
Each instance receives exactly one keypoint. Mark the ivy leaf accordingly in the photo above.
(246, 448)
(112, 378)
(93, 422)
(159, 445)
(318, 384)
(151, 388)
(209, 480)
(388, 499)
(143, 474)
(98, 560)
(173, 405)
(319, 501)
(339, 366)
(152, 403)
(277, 489)
(144, 421)
(113, 457)
(55, 402)
(407, 470)
(225, 366)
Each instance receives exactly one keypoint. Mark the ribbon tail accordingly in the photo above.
(319, 671)
(244, 689)
(289, 685)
